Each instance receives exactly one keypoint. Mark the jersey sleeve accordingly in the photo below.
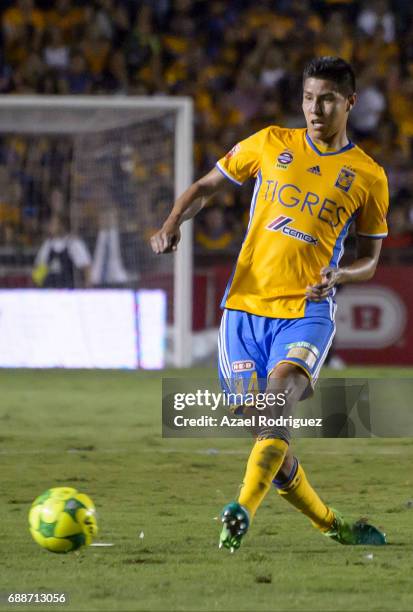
(244, 159)
(371, 221)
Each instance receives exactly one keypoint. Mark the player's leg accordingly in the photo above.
(303, 345)
(244, 345)
(291, 481)
(292, 485)
(272, 443)
(267, 455)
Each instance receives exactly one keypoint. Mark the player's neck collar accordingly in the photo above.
(314, 147)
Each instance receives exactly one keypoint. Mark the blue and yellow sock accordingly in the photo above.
(297, 491)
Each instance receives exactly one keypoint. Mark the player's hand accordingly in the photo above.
(166, 239)
(329, 278)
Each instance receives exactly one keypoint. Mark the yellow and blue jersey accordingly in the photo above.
(304, 201)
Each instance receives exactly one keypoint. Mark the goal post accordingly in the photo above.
(183, 260)
(101, 130)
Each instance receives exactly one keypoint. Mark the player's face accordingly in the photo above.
(325, 109)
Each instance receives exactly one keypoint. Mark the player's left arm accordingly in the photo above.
(371, 228)
(361, 269)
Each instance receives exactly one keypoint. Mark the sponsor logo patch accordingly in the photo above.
(284, 159)
(345, 179)
(242, 366)
(304, 351)
(282, 223)
(307, 345)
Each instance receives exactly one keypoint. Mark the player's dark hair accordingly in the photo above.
(332, 69)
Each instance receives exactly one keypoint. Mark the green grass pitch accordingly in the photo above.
(100, 432)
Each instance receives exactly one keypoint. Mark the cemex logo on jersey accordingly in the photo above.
(282, 224)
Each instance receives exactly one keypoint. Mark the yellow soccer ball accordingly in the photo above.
(62, 519)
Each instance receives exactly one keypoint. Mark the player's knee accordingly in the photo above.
(287, 371)
(290, 379)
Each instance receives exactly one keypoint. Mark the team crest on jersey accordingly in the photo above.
(233, 151)
(345, 179)
(282, 224)
(284, 159)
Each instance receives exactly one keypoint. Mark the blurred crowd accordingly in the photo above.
(240, 60)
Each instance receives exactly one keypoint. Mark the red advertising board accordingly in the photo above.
(374, 319)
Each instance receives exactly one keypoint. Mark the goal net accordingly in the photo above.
(113, 167)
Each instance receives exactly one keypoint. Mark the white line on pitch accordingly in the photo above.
(213, 452)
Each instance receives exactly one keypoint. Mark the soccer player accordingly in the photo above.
(279, 309)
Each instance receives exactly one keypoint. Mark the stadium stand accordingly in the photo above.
(240, 61)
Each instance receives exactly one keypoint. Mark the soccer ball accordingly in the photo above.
(62, 519)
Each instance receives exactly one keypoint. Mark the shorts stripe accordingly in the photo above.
(221, 364)
(324, 355)
(224, 344)
(221, 348)
(219, 356)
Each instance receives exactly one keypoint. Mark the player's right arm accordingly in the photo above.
(187, 206)
(239, 164)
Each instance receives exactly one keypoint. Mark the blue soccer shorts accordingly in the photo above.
(250, 346)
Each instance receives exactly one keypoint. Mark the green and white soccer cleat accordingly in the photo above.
(358, 533)
(235, 521)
